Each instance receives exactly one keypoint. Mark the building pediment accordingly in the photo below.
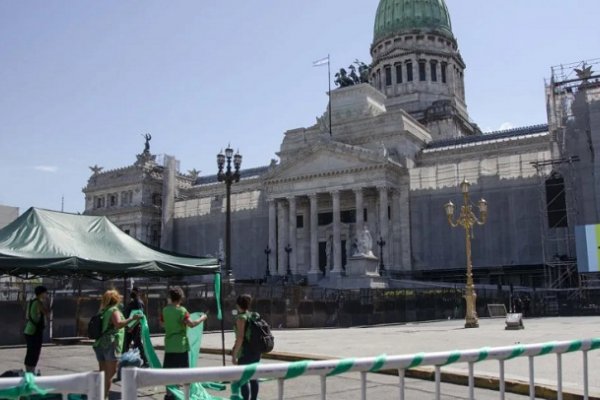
(329, 158)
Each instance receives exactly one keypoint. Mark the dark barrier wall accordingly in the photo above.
(306, 307)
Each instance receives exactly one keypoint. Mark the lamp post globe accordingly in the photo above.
(228, 175)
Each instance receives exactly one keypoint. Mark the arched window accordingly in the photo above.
(398, 73)
(444, 71)
(433, 67)
(409, 71)
(422, 72)
(388, 75)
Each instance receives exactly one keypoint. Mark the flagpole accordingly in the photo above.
(329, 76)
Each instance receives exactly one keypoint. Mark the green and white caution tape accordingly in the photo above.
(299, 368)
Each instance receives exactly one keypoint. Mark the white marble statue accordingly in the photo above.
(364, 243)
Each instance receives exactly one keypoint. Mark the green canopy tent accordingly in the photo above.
(43, 243)
(50, 243)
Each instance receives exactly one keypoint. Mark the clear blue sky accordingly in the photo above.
(80, 81)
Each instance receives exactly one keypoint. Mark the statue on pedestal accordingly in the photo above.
(364, 244)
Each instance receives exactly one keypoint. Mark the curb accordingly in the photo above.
(481, 381)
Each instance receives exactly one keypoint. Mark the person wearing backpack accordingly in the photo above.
(176, 319)
(109, 345)
(134, 334)
(36, 315)
(242, 352)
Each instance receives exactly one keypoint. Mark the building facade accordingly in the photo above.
(399, 147)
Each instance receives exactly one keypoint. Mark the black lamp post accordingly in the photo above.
(381, 243)
(288, 250)
(268, 271)
(228, 176)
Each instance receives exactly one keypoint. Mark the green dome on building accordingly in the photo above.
(404, 16)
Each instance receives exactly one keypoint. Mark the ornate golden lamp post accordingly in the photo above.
(467, 219)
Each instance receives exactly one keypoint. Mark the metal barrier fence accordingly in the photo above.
(134, 378)
(90, 384)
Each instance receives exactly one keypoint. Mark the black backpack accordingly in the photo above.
(261, 338)
(95, 327)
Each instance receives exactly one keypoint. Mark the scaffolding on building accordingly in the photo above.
(558, 197)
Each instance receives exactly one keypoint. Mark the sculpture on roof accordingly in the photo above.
(96, 169)
(585, 72)
(194, 173)
(359, 73)
(148, 138)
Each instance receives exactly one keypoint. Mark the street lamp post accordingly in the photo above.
(467, 219)
(268, 271)
(227, 175)
(381, 243)
(288, 250)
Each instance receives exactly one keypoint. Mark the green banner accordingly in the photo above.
(197, 390)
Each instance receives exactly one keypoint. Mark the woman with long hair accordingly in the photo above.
(109, 346)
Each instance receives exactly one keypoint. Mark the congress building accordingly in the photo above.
(357, 199)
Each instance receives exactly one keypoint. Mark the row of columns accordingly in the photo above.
(286, 219)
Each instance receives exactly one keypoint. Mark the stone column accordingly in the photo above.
(292, 235)
(383, 223)
(360, 220)
(314, 272)
(337, 237)
(272, 236)
(404, 225)
(282, 237)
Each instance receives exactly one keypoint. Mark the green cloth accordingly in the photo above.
(176, 340)
(26, 388)
(197, 391)
(110, 334)
(50, 243)
(218, 295)
(33, 316)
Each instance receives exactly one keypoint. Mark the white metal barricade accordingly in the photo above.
(134, 378)
(89, 383)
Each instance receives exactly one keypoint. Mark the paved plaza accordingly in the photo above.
(371, 341)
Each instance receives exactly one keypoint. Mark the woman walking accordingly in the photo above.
(36, 315)
(109, 346)
(242, 354)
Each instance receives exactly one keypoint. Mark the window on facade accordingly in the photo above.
(325, 218)
(348, 216)
(422, 72)
(433, 67)
(365, 214)
(156, 199)
(388, 75)
(444, 70)
(398, 73)
(300, 221)
(113, 200)
(409, 72)
(556, 202)
(126, 231)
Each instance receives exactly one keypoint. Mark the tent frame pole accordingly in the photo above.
(222, 316)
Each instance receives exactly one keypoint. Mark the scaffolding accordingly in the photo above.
(557, 175)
